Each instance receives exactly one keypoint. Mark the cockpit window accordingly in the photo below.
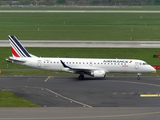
(145, 64)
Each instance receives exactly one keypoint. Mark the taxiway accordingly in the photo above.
(69, 92)
(66, 97)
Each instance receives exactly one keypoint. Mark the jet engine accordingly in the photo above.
(98, 73)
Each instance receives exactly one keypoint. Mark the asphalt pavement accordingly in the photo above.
(66, 97)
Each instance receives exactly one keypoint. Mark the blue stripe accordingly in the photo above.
(22, 48)
(17, 47)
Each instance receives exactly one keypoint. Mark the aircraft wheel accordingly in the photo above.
(81, 77)
(138, 77)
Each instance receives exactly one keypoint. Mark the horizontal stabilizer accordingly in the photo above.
(15, 60)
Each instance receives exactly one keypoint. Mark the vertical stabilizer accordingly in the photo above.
(18, 50)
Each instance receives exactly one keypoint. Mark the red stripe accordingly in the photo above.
(14, 52)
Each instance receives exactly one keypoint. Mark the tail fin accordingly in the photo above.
(17, 48)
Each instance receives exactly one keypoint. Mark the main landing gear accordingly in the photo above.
(138, 76)
(81, 77)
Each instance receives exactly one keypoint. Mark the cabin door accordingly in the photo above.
(136, 65)
(39, 63)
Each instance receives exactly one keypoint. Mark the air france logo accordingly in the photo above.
(118, 61)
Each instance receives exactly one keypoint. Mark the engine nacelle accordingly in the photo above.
(99, 73)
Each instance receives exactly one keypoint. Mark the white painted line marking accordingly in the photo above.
(68, 98)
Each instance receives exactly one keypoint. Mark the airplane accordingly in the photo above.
(97, 68)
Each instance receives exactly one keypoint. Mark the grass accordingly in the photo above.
(131, 7)
(80, 26)
(145, 54)
(8, 99)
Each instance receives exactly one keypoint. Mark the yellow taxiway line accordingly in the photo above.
(47, 79)
(149, 95)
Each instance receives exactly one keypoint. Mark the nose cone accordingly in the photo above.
(153, 70)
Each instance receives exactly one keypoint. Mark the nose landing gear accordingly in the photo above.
(138, 76)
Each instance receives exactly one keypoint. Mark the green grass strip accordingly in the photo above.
(117, 7)
(8, 99)
(80, 26)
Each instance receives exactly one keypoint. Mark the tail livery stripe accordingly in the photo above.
(16, 48)
(19, 44)
(14, 52)
(19, 48)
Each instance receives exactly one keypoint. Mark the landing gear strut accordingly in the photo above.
(138, 76)
(81, 77)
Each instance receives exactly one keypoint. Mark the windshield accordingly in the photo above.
(145, 64)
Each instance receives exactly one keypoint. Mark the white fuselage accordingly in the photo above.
(108, 65)
(92, 67)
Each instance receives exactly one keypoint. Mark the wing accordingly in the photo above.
(85, 70)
